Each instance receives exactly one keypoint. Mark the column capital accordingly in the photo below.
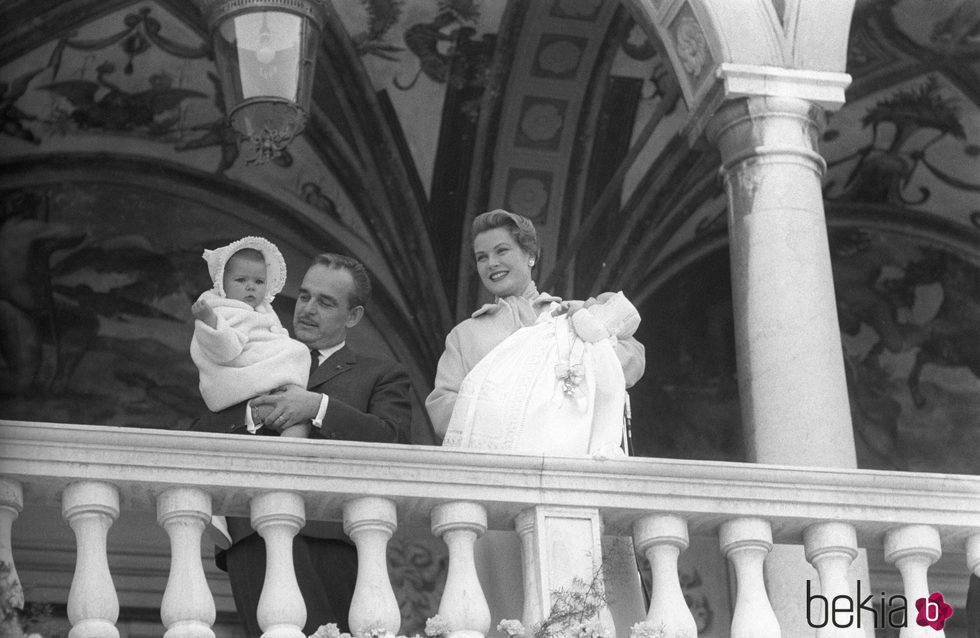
(767, 129)
(822, 88)
(734, 83)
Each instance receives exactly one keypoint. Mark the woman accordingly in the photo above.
(505, 248)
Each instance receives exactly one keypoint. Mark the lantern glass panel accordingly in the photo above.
(264, 51)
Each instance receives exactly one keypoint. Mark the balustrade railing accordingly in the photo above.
(97, 474)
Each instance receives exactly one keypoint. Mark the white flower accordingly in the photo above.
(437, 626)
(646, 629)
(513, 628)
(328, 631)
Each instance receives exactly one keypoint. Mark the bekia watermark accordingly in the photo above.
(892, 611)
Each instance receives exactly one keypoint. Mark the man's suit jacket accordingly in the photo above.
(369, 401)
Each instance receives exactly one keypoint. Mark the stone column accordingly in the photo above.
(790, 365)
(792, 388)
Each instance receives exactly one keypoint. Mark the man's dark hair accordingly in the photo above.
(362, 282)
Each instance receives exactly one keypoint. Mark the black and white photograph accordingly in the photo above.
(490, 318)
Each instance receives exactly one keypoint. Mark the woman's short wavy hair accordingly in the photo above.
(521, 229)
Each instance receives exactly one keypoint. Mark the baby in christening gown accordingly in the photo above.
(553, 388)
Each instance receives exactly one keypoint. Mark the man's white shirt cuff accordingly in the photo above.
(249, 422)
(322, 412)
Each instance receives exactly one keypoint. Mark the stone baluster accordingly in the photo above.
(913, 548)
(278, 517)
(973, 554)
(746, 542)
(93, 607)
(661, 538)
(11, 503)
(187, 609)
(463, 603)
(370, 521)
(830, 548)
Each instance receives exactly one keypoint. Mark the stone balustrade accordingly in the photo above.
(98, 474)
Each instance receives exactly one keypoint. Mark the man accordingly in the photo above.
(348, 397)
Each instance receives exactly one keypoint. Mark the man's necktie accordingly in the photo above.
(314, 361)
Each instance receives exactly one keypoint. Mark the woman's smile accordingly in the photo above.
(503, 265)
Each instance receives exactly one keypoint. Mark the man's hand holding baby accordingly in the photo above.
(285, 407)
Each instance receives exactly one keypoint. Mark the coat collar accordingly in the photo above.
(340, 361)
(530, 296)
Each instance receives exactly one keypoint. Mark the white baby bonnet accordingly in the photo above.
(275, 264)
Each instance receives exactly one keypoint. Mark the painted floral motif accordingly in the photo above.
(899, 158)
(528, 196)
(691, 45)
(541, 122)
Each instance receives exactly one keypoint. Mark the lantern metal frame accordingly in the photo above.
(265, 124)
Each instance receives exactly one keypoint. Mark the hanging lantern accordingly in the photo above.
(265, 51)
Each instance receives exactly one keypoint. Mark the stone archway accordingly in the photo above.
(796, 49)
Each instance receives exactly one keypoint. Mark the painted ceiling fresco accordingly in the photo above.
(118, 169)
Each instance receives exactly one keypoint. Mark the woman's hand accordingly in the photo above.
(202, 312)
(569, 308)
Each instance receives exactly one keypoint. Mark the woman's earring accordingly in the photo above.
(530, 264)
